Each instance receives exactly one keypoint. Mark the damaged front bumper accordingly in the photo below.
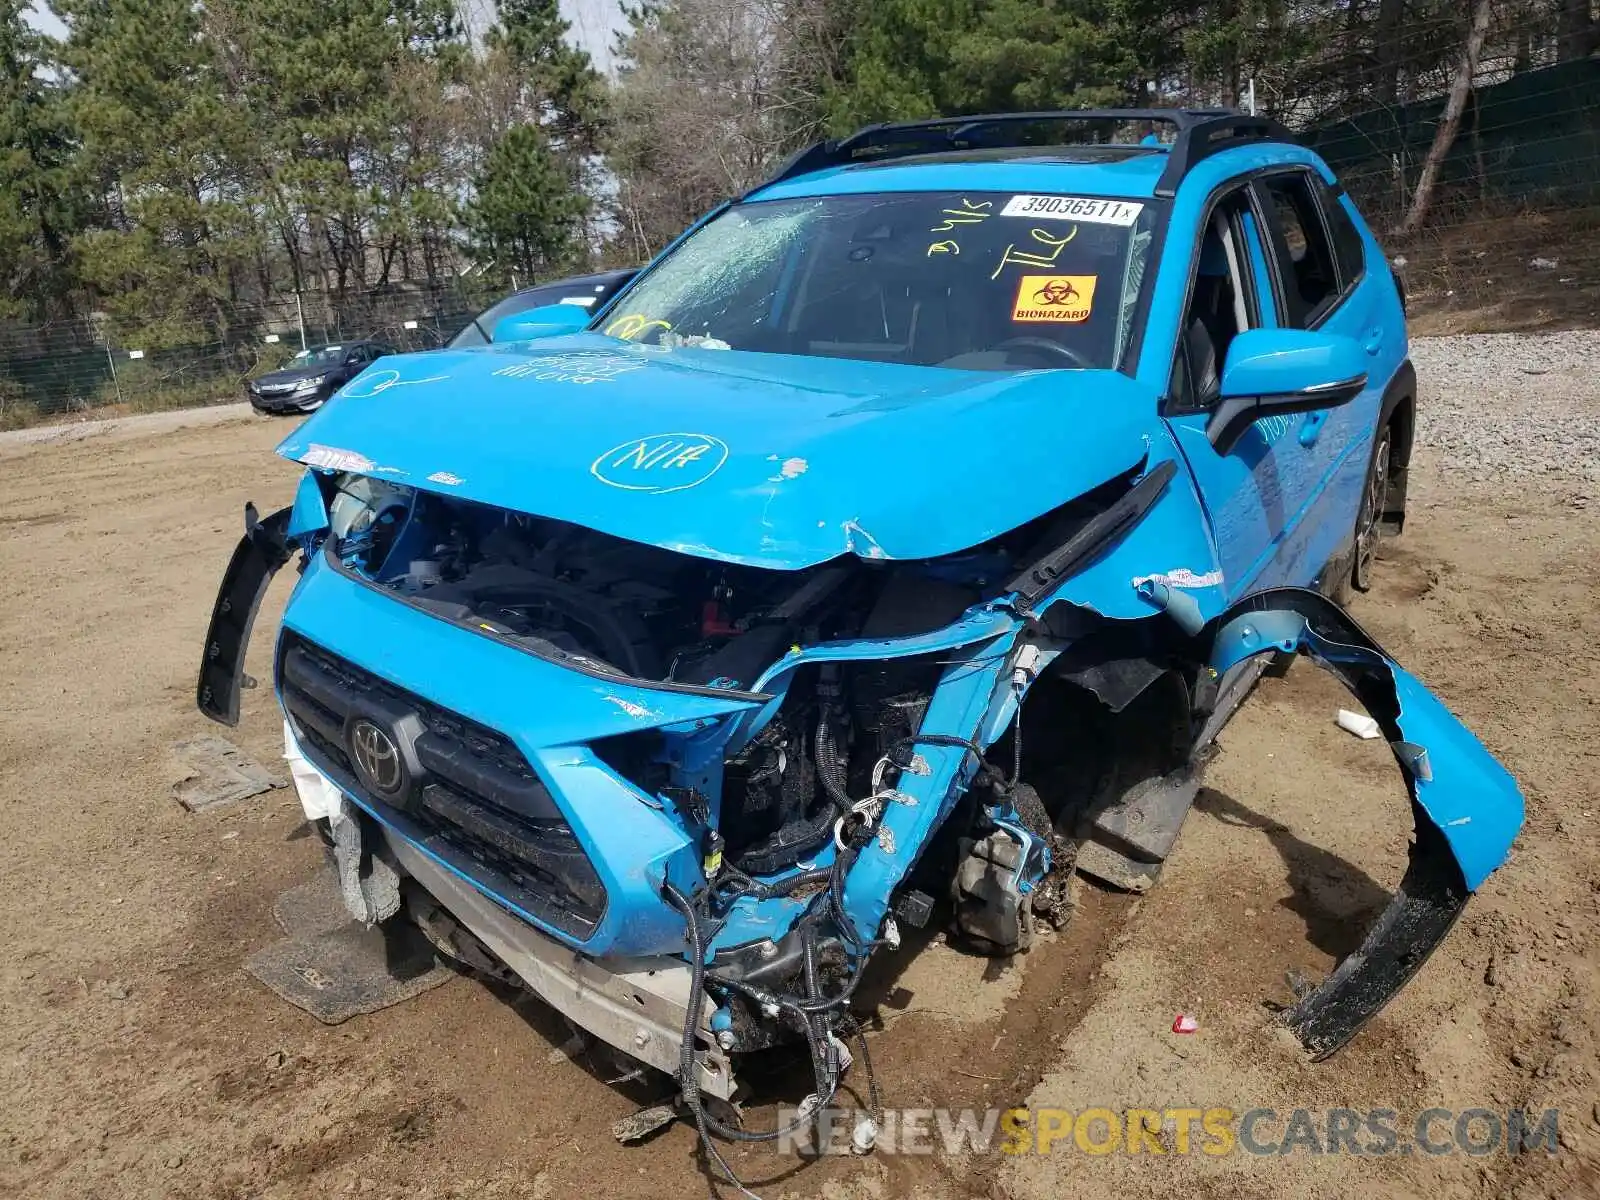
(637, 1005)
(507, 804)
(1466, 806)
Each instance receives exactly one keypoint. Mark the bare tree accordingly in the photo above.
(712, 94)
(1449, 121)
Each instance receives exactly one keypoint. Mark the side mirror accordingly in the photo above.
(1276, 371)
(548, 320)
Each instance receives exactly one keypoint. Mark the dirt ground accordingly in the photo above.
(138, 1059)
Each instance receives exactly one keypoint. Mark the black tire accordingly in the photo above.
(1374, 502)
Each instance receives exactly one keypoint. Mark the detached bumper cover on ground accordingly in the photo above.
(1466, 805)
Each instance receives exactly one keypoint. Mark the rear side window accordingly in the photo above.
(1349, 251)
(1300, 243)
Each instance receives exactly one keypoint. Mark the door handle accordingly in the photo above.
(1311, 427)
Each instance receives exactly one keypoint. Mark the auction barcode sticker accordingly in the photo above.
(1088, 210)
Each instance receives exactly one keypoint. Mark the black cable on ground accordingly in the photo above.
(686, 1058)
(688, 1070)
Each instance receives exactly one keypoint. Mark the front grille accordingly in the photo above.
(467, 795)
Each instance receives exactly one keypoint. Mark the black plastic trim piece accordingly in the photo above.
(260, 554)
(1095, 536)
(1204, 139)
(1401, 392)
(1430, 898)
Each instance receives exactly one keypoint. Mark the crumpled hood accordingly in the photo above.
(771, 460)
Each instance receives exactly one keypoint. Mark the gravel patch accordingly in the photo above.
(1510, 405)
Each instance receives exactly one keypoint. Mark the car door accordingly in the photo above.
(1320, 282)
(1229, 291)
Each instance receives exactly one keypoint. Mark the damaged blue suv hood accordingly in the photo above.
(770, 460)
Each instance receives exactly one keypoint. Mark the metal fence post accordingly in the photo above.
(111, 361)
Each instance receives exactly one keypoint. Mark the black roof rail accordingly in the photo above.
(1199, 133)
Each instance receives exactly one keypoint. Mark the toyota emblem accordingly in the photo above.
(377, 756)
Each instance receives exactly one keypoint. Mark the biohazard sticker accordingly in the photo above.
(1054, 298)
(1087, 210)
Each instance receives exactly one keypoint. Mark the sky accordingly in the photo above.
(594, 23)
(43, 19)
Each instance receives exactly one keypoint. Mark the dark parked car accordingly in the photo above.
(313, 376)
(584, 291)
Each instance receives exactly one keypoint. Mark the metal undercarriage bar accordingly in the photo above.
(637, 1005)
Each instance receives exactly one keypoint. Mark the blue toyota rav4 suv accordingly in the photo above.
(892, 548)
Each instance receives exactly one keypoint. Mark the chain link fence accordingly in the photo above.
(92, 365)
(1510, 234)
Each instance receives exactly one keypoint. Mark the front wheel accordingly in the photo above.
(1374, 501)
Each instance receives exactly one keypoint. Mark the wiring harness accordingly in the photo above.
(824, 1019)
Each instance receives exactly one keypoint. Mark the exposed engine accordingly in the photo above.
(831, 741)
(634, 610)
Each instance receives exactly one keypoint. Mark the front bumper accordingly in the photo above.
(545, 714)
(637, 1005)
(461, 791)
(288, 403)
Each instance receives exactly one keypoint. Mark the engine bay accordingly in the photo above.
(793, 762)
(641, 612)
(631, 609)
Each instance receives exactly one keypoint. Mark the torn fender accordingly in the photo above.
(1467, 807)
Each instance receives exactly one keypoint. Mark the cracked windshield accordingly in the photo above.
(976, 281)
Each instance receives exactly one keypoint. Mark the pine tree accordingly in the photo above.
(917, 58)
(160, 147)
(343, 93)
(40, 208)
(559, 84)
(539, 165)
(525, 213)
